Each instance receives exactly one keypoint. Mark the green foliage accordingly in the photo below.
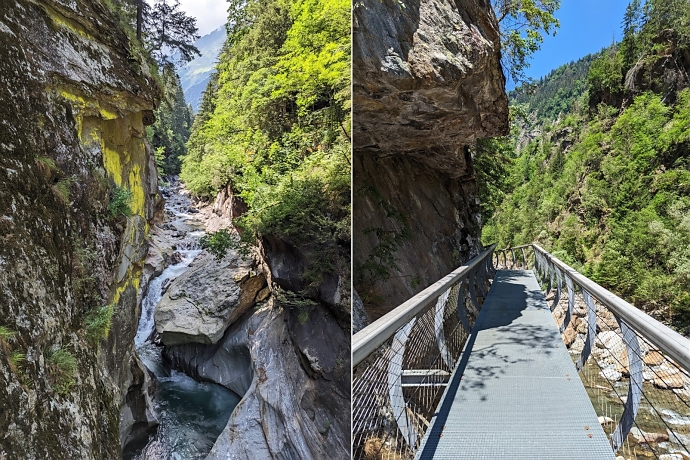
(6, 333)
(605, 79)
(48, 163)
(218, 243)
(303, 317)
(491, 163)
(171, 130)
(556, 93)
(522, 23)
(167, 29)
(616, 204)
(61, 365)
(16, 360)
(274, 124)
(63, 187)
(120, 201)
(97, 323)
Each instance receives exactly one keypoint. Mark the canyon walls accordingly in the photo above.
(75, 102)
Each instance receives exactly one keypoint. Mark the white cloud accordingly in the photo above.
(209, 14)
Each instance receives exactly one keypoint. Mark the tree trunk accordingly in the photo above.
(140, 17)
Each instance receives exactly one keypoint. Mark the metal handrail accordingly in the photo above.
(366, 341)
(669, 341)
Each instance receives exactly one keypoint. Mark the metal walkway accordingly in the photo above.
(516, 393)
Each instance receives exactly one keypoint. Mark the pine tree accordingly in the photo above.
(633, 20)
(170, 132)
(167, 29)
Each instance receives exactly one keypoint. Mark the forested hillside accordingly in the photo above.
(274, 125)
(556, 92)
(607, 187)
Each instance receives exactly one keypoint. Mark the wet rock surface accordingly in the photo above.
(286, 356)
(200, 305)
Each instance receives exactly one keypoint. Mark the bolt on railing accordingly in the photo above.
(403, 361)
(636, 370)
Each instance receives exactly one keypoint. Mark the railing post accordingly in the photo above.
(591, 330)
(395, 391)
(571, 303)
(438, 329)
(632, 403)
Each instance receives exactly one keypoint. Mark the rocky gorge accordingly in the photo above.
(219, 321)
(87, 247)
(427, 82)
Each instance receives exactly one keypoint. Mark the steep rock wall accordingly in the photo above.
(71, 129)
(427, 83)
(287, 355)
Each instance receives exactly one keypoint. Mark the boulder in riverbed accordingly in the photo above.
(200, 305)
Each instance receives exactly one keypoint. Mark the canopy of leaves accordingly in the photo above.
(274, 121)
(522, 23)
(169, 134)
(616, 203)
(608, 188)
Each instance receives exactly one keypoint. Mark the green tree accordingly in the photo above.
(633, 20)
(169, 134)
(168, 29)
(274, 124)
(522, 25)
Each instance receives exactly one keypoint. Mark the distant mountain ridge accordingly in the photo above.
(194, 75)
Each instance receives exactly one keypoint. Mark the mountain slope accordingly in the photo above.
(607, 187)
(195, 75)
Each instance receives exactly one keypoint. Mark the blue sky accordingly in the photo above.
(586, 27)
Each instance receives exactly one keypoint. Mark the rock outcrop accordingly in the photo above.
(291, 367)
(427, 84)
(288, 356)
(74, 100)
(200, 305)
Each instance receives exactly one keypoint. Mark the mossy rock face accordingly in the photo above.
(70, 129)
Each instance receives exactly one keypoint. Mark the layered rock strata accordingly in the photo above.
(74, 103)
(427, 83)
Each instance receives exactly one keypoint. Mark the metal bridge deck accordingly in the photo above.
(516, 394)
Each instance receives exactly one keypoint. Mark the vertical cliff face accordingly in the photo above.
(74, 101)
(427, 84)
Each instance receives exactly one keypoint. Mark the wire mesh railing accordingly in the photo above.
(635, 369)
(403, 361)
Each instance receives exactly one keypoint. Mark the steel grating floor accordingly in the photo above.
(517, 394)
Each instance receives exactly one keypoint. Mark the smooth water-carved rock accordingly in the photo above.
(288, 364)
(298, 403)
(200, 305)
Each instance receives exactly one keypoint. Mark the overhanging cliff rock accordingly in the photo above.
(427, 83)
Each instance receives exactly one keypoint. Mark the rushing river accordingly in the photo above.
(191, 414)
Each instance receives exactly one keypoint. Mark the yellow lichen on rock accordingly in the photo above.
(65, 23)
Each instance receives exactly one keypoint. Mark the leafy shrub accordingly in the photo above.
(218, 243)
(120, 201)
(97, 323)
(16, 360)
(61, 366)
